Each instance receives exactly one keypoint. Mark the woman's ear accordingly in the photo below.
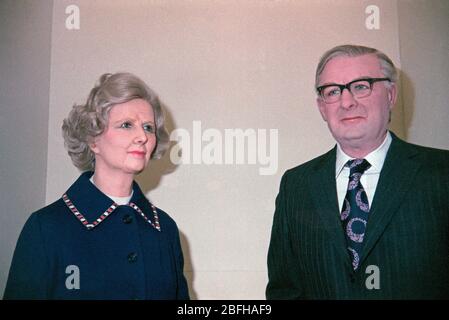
(93, 146)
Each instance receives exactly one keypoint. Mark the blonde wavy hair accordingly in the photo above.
(89, 120)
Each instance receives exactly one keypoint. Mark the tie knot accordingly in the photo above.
(358, 165)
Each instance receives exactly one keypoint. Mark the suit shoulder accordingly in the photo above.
(429, 150)
(305, 168)
(432, 156)
(39, 222)
(50, 211)
(51, 208)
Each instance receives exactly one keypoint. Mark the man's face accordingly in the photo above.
(357, 123)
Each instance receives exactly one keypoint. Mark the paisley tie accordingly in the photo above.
(354, 214)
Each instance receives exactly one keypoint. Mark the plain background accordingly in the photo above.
(229, 64)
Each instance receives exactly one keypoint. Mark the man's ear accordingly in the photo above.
(392, 94)
(322, 107)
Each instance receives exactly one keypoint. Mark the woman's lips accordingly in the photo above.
(138, 153)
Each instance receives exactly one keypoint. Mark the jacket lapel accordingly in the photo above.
(324, 196)
(395, 180)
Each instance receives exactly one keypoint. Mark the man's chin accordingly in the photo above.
(350, 136)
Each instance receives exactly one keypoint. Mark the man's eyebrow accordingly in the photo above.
(334, 83)
(327, 84)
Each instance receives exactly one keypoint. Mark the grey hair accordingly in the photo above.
(89, 120)
(387, 66)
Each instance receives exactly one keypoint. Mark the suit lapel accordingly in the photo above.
(324, 196)
(395, 180)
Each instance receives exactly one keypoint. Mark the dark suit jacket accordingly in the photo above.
(407, 235)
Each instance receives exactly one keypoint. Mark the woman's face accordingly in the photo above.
(126, 144)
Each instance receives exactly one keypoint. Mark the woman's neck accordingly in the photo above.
(117, 185)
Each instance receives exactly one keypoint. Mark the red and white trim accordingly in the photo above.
(155, 215)
(105, 214)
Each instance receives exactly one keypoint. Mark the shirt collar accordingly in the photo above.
(376, 158)
(91, 206)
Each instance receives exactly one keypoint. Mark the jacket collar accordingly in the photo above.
(401, 166)
(91, 206)
(324, 197)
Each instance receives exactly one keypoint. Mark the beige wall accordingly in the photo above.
(25, 41)
(228, 64)
(224, 65)
(424, 42)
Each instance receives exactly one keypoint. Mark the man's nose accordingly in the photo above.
(347, 99)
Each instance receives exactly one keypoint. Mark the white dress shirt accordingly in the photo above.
(369, 179)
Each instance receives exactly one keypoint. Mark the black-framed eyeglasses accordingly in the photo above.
(359, 88)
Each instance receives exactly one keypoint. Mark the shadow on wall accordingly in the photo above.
(402, 114)
(407, 95)
(189, 274)
(151, 178)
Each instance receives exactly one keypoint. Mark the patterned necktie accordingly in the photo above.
(354, 214)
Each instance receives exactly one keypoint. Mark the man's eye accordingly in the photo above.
(126, 125)
(361, 86)
(332, 92)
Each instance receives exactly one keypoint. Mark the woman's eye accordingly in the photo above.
(149, 128)
(126, 125)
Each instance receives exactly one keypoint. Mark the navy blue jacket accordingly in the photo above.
(84, 246)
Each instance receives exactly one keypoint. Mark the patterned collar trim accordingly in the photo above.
(108, 211)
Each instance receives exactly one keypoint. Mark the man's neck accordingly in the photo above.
(360, 151)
